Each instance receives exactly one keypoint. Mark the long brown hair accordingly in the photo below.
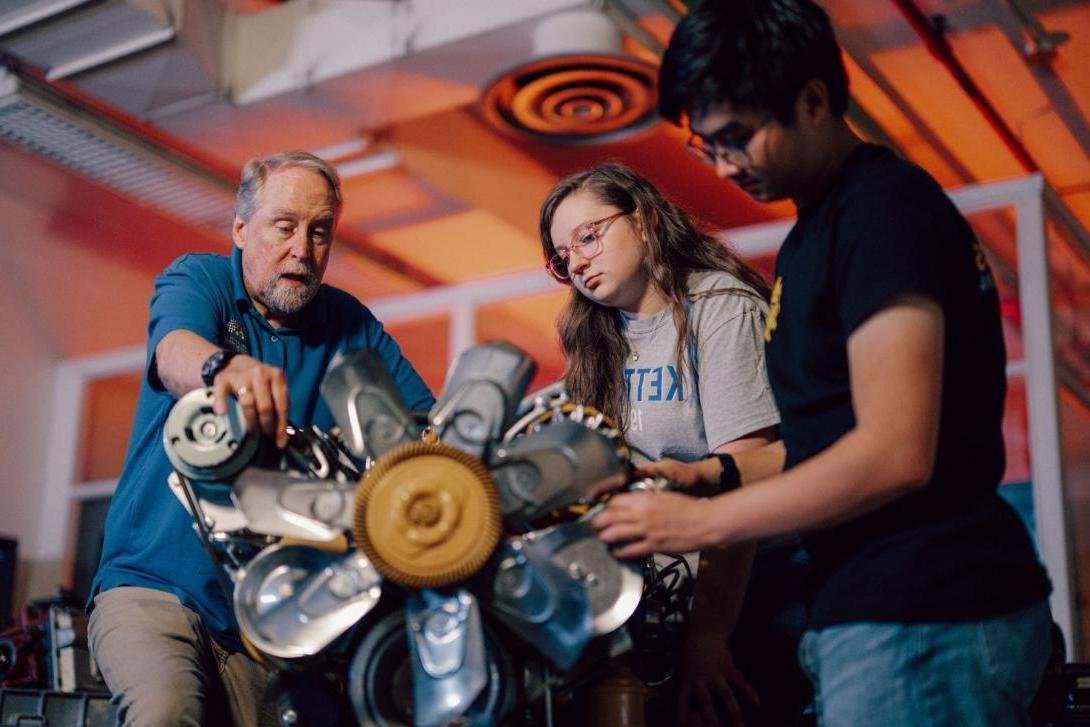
(591, 334)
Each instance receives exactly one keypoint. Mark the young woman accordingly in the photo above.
(663, 333)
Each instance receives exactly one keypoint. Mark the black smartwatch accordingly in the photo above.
(730, 478)
(214, 364)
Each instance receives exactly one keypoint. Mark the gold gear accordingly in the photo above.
(427, 515)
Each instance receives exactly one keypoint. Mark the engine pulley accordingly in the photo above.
(204, 446)
(427, 515)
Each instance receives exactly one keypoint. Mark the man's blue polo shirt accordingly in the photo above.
(150, 541)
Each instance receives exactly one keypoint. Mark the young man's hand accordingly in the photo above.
(639, 523)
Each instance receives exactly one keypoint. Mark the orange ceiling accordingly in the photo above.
(462, 202)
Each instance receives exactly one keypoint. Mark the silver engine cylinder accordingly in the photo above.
(366, 405)
(481, 395)
(562, 464)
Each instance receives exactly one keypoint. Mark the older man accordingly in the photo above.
(259, 326)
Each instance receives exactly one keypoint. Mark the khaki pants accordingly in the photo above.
(163, 667)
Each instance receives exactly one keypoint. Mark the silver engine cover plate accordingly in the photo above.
(292, 601)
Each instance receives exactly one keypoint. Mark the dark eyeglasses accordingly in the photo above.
(587, 241)
(731, 148)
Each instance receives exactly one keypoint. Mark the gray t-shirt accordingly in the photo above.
(685, 415)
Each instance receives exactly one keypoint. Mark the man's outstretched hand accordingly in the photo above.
(262, 392)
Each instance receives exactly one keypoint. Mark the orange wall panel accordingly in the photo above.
(530, 324)
(1016, 432)
(425, 342)
(108, 407)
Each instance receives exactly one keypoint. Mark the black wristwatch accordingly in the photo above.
(730, 478)
(214, 364)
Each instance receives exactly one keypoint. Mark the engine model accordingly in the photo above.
(396, 574)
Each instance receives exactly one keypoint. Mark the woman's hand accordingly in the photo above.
(685, 475)
(709, 677)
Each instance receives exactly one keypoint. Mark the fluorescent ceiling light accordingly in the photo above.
(377, 162)
(342, 150)
(111, 154)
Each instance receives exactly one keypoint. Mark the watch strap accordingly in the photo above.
(730, 478)
(214, 364)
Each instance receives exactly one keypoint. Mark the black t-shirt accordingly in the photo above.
(953, 550)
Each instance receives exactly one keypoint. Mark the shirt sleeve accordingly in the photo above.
(735, 398)
(414, 392)
(888, 247)
(184, 299)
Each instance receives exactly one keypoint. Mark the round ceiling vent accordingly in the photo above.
(573, 99)
(579, 87)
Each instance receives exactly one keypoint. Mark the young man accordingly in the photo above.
(259, 326)
(886, 358)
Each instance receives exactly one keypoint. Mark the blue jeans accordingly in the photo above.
(928, 674)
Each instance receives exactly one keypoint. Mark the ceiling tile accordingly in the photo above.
(464, 246)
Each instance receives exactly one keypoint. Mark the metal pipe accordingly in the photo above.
(936, 42)
(869, 126)
(1054, 539)
(913, 117)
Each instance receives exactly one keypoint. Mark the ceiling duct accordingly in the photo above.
(34, 116)
(579, 87)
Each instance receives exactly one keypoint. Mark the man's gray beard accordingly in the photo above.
(288, 301)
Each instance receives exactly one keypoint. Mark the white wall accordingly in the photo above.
(25, 389)
(76, 270)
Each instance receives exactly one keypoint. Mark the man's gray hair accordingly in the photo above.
(257, 171)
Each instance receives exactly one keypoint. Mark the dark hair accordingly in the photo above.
(258, 170)
(592, 335)
(755, 55)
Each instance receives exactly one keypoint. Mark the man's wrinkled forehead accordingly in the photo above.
(282, 194)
